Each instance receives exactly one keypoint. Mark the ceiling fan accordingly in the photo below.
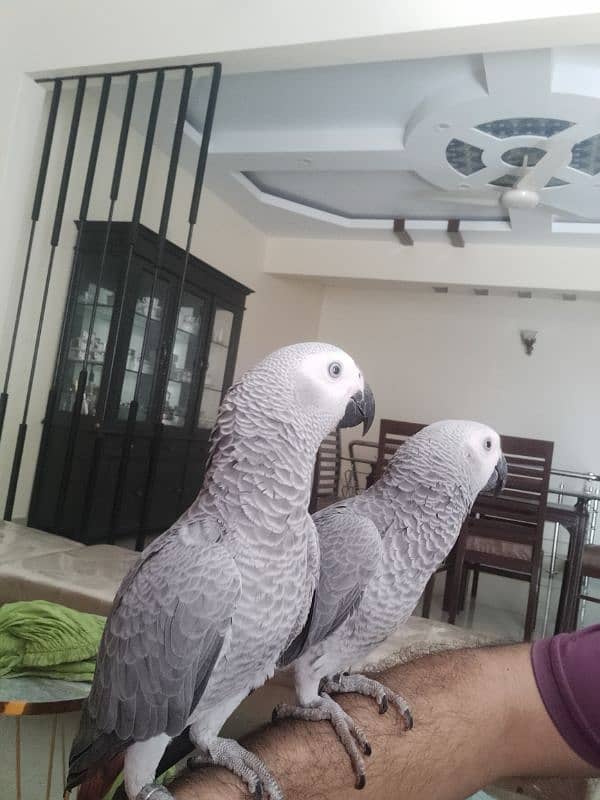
(525, 194)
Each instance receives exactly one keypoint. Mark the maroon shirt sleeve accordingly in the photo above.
(567, 672)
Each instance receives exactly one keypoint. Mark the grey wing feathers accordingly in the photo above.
(351, 551)
(162, 639)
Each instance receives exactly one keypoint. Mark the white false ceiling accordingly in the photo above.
(341, 151)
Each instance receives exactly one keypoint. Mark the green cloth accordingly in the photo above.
(48, 640)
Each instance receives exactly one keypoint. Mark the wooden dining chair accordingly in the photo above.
(590, 568)
(326, 475)
(392, 433)
(503, 535)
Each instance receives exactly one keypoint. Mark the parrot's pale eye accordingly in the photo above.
(488, 444)
(335, 369)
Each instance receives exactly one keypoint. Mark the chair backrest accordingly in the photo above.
(392, 433)
(326, 476)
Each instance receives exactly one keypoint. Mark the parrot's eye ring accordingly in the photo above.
(488, 444)
(335, 369)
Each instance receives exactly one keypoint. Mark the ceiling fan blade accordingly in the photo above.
(557, 156)
(464, 198)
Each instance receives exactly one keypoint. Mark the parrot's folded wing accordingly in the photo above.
(162, 639)
(350, 553)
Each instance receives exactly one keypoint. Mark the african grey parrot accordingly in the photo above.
(210, 606)
(378, 550)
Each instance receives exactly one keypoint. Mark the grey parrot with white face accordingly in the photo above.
(204, 615)
(378, 550)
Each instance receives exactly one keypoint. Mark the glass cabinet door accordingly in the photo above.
(88, 333)
(186, 347)
(218, 353)
(142, 350)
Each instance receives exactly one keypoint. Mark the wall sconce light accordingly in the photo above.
(528, 338)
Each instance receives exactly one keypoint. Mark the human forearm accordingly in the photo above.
(478, 717)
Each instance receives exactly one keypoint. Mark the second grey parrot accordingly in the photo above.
(204, 615)
(378, 550)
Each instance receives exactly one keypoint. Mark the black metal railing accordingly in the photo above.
(82, 83)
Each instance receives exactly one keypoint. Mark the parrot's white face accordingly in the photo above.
(327, 381)
(484, 453)
(479, 449)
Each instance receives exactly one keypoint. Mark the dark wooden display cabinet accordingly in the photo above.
(199, 338)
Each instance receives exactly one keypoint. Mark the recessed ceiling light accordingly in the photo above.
(569, 296)
(481, 292)
(524, 295)
(442, 126)
(440, 289)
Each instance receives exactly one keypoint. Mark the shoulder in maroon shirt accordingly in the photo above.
(567, 672)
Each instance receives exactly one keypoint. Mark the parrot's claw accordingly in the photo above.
(154, 791)
(346, 729)
(247, 766)
(360, 684)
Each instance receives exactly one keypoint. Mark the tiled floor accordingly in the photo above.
(499, 607)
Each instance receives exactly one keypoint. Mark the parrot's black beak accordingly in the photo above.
(360, 408)
(497, 481)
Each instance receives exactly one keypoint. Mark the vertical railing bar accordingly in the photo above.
(82, 378)
(66, 176)
(46, 150)
(60, 207)
(174, 161)
(552, 566)
(148, 145)
(195, 203)
(166, 210)
(87, 191)
(137, 213)
(137, 210)
(114, 195)
(122, 471)
(206, 134)
(162, 234)
(65, 477)
(88, 497)
(35, 214)
(95, 148)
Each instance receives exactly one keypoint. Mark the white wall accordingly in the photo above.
(280, 311)
(431, 357)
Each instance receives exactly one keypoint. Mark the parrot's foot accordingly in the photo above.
(360, 684)
(346, 729)
(229, 754)
(154, 791)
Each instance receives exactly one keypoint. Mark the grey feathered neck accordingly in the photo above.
(425, 480)
(263, 447)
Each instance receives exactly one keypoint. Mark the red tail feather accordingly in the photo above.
(97, 784)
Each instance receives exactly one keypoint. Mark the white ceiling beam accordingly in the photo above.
(315, 140)
(504, 72)
(435, 263)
